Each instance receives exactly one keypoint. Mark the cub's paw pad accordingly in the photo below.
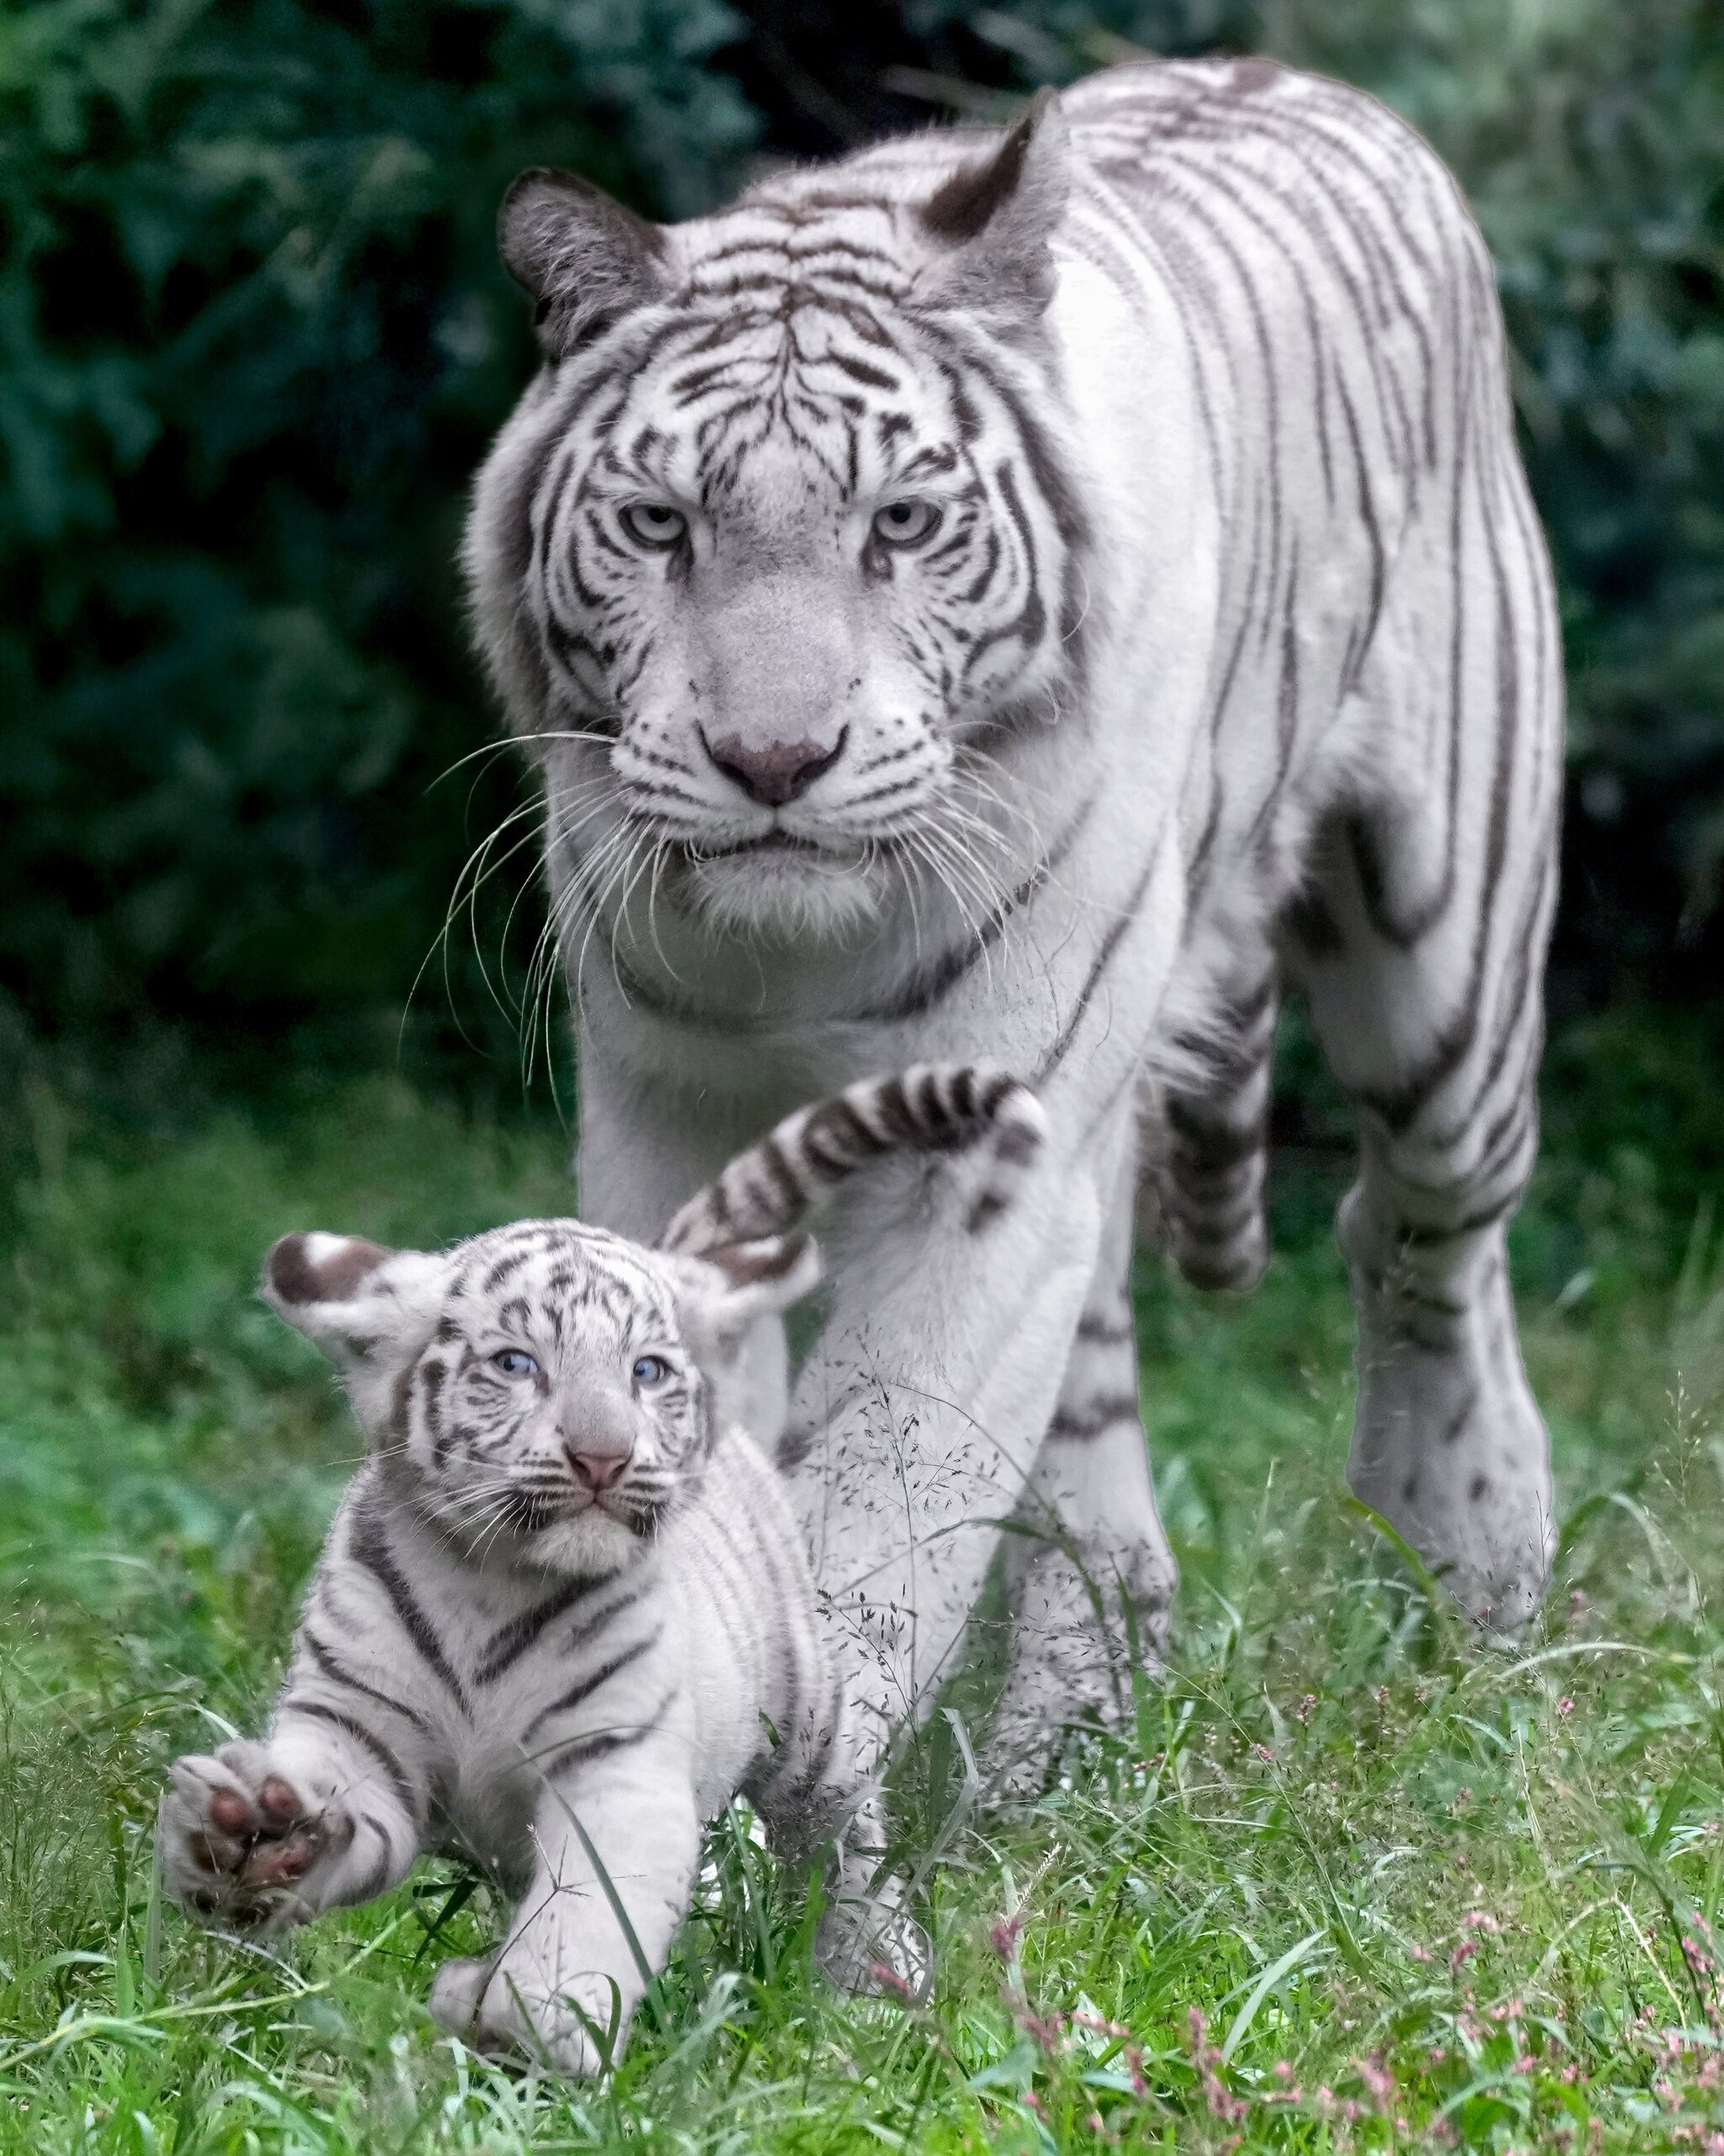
(239, 1838)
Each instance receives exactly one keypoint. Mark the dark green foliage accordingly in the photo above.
(253, 341)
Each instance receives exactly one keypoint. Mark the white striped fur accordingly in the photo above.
(1031, 598)
(564, 1613)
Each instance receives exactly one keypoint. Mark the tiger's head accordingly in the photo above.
(781, 539)
(544, 1393)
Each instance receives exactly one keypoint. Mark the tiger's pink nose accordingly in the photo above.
(777, 773)
(598, 1467)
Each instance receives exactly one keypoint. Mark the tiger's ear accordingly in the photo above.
(991, 223)
(583, 259)
(359, 1302)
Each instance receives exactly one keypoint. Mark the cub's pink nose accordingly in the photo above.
(598, 1467)
(777, 773)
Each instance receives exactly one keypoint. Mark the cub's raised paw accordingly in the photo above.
(243, 1845)
(506, 2005)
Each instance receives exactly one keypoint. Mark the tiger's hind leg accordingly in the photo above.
(1208, 1158)
(1089, 1574)
(1434, 1025)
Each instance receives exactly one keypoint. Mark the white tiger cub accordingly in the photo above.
(563, 1613)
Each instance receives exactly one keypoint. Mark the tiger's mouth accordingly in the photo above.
(778, 881)
(768, 844)
(531, 1511)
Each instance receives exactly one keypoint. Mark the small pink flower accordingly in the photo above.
(1565, 1705)
(1003, 1936)
(1222, 2102)
(1378, 2079)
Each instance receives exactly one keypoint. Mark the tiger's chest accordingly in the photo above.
(555, 1678)
(551, 1674)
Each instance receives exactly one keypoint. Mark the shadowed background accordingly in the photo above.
(253, 339)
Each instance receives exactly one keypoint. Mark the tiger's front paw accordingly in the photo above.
(243, 1845)
(574, 2025)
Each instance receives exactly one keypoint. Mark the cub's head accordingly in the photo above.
(781, 543)
(546, 1391)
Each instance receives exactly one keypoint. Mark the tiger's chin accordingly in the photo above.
(590, 1545)
(790, 892)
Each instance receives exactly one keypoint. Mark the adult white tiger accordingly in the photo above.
(1026, 597)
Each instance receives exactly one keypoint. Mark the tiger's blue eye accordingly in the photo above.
(651, 1370)
(515, 1362)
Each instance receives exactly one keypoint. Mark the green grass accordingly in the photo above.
(1359, 1881)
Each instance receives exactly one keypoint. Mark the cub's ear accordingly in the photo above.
(584, 260)
(303, 1271)
(775, 1270)
(991, 225)
(729, 1287)
(353, 1297)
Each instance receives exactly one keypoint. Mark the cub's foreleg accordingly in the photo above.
(271, 1833)
(867, 1940)
(565, 1984)
(331, 1806)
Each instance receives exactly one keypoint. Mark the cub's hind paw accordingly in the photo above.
(873, 1947)
(571, 2026)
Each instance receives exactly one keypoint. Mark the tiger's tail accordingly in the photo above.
(773, 1187)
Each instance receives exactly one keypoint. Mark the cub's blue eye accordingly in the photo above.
(515, 1362)
(651, 1370)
